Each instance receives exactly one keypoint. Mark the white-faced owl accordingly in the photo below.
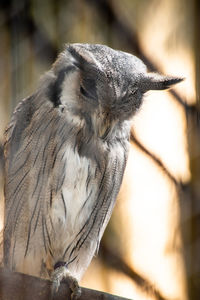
(66, 149)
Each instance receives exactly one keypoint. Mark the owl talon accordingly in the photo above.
(61, 273)
(57, 276)
(75, 288)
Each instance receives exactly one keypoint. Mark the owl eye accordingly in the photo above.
(88, 89)
(84, 92)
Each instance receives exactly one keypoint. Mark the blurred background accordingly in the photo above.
(151, 248)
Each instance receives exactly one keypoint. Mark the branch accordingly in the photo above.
(18, 286)
(116, 262)
(156, 160)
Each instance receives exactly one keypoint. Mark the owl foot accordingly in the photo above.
(75, 288)
(60, 273)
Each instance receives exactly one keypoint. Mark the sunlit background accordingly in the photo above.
(151, 248)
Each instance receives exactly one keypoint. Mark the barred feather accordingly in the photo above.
(66, 149)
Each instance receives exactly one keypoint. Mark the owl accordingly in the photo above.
(65, 152)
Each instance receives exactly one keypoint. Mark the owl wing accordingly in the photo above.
(30, 152)
(12, 144)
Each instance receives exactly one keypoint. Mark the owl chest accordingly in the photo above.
(76, 197)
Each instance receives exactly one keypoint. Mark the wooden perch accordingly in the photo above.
(18, 286)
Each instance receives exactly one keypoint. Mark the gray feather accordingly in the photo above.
(66, 150)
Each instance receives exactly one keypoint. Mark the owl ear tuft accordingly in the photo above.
(79, 60)
(155, 81)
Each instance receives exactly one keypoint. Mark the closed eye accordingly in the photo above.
(84, 92)
(88, 96)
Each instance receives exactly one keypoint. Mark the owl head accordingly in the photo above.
(98, 83)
